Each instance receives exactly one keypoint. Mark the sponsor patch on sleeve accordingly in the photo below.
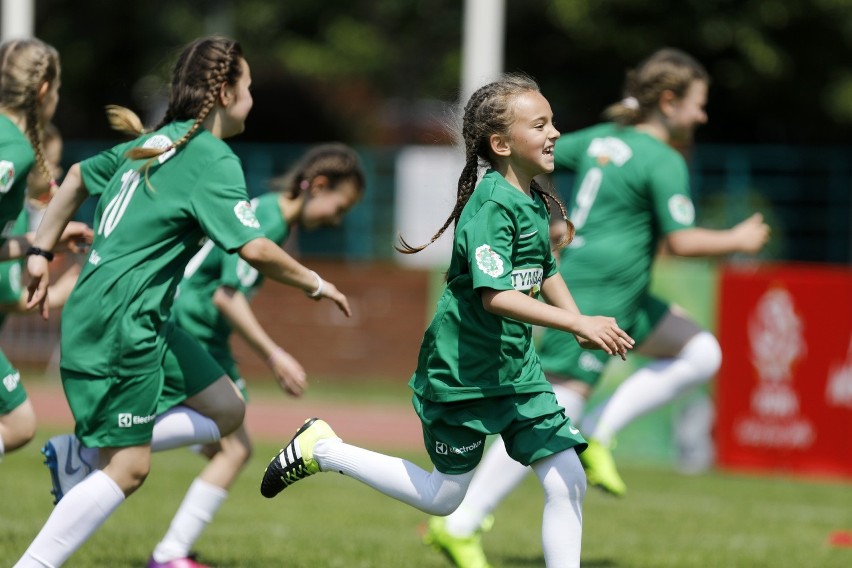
(7, 175)
(245, 214)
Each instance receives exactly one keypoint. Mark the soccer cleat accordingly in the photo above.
(463, 551)
(600, 469)
(186, 562)
(62, 456)
(295, 460)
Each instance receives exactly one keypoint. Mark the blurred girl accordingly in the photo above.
(214, 300)
(29, 93)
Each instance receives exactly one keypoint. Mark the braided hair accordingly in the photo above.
(26, 65)
(202, 68)
(489, 111)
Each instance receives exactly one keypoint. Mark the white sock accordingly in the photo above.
(660, 382)
(197, 510)
(182, 426)
(435, 493)
(564, 483)
(74, 519)
(498, 474)
(2, 448)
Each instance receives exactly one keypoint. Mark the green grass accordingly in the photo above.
(668, 520)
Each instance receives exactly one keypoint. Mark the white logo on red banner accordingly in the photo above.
(777, 343)
(838, 391)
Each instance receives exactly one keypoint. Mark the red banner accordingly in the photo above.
(784, 392)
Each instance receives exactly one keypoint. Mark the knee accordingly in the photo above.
(704, 353)
(231, 417)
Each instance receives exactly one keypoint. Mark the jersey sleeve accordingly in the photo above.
(488, 239)
(16, 162)
(668, 180)
(99, 169)
(238, 274)
(220, 203)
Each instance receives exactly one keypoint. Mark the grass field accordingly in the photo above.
(668, 520)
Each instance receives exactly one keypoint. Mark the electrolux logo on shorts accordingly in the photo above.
(444, 449)
(128, 420)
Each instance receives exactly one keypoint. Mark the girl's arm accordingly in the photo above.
(597, 331)
(61, 208)
(749, 236)
(57, 293)
(234, 306)
(271, 261)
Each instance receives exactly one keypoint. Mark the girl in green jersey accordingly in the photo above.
(632, 190)
(29, 93)
(477, 373)
(161, 195)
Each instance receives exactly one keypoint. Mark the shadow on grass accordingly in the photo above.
(538, 561)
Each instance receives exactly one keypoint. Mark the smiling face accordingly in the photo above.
(326, 206)
(685, 114)
(532, 135)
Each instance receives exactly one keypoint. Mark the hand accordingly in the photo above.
(75, 238)
(752, 234)
(600, 332)
(288, 372)
(39, 280)
(330, 291)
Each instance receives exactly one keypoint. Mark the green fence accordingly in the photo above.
(805, 193)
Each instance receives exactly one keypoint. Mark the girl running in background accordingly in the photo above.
(29, 93)
(214, 301)
(160, 196)
(632, 188)
(477, 372)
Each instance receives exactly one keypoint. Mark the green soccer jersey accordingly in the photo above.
(631, 188)
(501, 242)
(211, 268)
(144, 237)
(16, 161)
(10, 270)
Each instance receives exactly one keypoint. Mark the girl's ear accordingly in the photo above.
(42, 91)
(320, 183)
(499, 145)
(226, 93)
(667, 102)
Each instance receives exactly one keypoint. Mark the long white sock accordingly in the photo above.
(197, 510)
(74, 519)
(182, 426)
(435, 493)
(564, 484)
(177, 427)
(656, 384)
(498, 474)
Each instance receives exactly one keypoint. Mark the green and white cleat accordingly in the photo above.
(295, 461)
(600, 469)
(463, 552)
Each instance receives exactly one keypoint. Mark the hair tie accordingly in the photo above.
(304, 185)
(630, 102)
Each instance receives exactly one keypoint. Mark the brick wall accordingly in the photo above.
(380, 340)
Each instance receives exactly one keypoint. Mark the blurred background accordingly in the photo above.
(386, 76)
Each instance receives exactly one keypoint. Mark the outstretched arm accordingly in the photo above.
(235, 307)
(270, 260)
(597, 331)
(749, 236)
(61, 208)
